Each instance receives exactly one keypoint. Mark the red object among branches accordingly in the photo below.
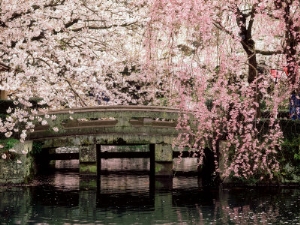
(276, 73)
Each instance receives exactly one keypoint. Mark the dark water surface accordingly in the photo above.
(66, 198)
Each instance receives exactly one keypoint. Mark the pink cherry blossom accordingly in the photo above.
(211, 60)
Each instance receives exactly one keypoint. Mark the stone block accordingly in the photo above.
(87, 153)
(163, 153)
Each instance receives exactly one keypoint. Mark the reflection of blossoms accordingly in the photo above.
(55, 129)
(19, 161)
(3, 156)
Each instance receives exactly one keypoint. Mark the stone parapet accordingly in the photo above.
(16, 165)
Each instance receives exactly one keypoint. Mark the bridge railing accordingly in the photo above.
(107, 119)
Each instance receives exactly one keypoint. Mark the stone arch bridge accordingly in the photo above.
(90, 128)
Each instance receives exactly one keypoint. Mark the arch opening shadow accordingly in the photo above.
(102, 154)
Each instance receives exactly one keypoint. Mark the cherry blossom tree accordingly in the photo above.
(69, 54)
(219, 54)
(61, 50)
(209, 58)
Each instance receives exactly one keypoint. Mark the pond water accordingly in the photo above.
(63, 197)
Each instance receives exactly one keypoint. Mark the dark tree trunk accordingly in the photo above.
(249, 46)
(292, 38)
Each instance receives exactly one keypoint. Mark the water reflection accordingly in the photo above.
(67, 198)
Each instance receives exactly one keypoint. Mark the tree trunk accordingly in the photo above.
(249, 47)
(292, 38)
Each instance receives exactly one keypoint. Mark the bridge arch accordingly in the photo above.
(89, 128)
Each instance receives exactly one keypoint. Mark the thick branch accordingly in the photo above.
(3, 67)
(292, 38)
(251, 21)
(71, 23)
(241, 23)
(218, 25)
